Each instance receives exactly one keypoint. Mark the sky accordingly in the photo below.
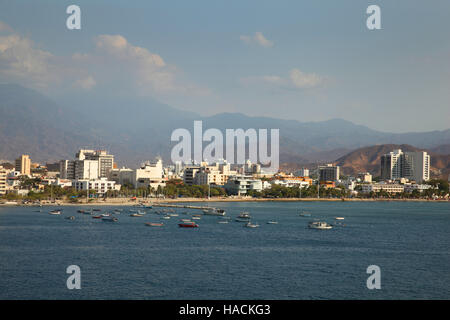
(302, 60)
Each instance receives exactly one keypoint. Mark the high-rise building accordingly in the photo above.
(23, 164)
(416, 166)
(3, 177)
(105, 160)
(328, 173)
(86, 169)
(391, 167)
(410, 165)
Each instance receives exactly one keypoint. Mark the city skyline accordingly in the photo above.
(308, 62)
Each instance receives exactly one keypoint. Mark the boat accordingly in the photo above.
(149, 207)
(196, 218)
(87, 212)
(154, 224)
(272, 222)
(136, 215)
(97, 217)
(70, 218)
(241, 220)
(185, 220)
(141, 212)
(54, 212)
(105, 214)
(251, 225)
(339, 218)
(214, 212)
(222, 221)
(319, 225)
(166, 217)
(81, 211)
(244, 215)
(173, 214)
(188, 225)
(110, 219)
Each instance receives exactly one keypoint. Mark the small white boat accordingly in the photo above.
(196, 218)
(319, 225)
(55, 212)
(339, 218)
(136, 215)
(272, 222)
(166, 217)
(110, 219)
(214, 212)
(244, 215)
(251, 225)
(173, 214)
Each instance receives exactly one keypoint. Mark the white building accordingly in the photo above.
(86, 170)
(286, 182)
(240, 185)
(122, 176)
(419, 187)
(3, 179)
(100, 186)
(377, 187)
(105, 160)
(303, 172)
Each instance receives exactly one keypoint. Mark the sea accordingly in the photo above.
(408, 241)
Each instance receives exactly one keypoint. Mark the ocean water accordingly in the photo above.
(409, 241)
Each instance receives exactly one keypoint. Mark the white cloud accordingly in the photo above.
(295, 80)
(114, 63)
(257, 38)
(86, 83)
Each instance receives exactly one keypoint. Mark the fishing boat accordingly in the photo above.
(55, 212)
(272, 222)
(214, 212)
(319, 225)
(97, 217)
(244, 215)
(188, 225)
(136, 215)
(109, 219)
(251, 225)
(173, 214)
(196, 218)
(105, 214)
(339, 218)
(70, 218)
(166, 217)
(154, 224)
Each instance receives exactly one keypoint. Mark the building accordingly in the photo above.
(149, 175)
(365, 177)
(303, 172)
(418, 187)
(240, 185)
(410, 165)
(86, 169)
(23, 165)
(328, 173)
(416, 166)
(3, 179)
(122, 176)
(67, 169)
(101, 186)
(377, 187)
(105, 160)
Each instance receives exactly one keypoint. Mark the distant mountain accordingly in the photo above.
(441, 149)
(367, 159)
(137, 129)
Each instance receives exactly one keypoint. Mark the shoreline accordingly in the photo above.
(150, 201)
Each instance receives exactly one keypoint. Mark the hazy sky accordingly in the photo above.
(303, 60)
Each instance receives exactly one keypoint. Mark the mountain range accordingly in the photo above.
(137, 129)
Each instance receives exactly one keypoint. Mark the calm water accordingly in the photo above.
(409, 241)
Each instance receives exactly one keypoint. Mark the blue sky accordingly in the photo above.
(303, 60)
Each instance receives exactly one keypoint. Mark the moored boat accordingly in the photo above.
(188, 225)
(319, 225)
(272, 222)
(55, 212)
(109, 219)
(136, 215)
(251, 225)
(244, 215)
(154, 224)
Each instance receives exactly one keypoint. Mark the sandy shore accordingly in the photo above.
(149, 201)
